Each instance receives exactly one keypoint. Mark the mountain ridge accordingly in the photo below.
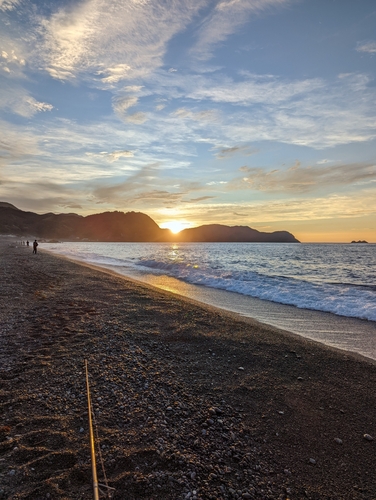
(122, 227)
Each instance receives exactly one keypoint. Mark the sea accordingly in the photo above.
(325, 292)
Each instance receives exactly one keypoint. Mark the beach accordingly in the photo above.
(189, 401)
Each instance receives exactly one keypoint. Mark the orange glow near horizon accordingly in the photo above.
(342, 230)
(175, 226)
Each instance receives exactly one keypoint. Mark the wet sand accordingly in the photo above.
(189, 401)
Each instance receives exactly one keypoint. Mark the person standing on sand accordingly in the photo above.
(35, 246)
(27, 243)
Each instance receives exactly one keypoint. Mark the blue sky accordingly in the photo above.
(240, 112)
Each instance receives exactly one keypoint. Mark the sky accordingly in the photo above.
(239, 112)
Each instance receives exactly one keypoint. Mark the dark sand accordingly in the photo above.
(349, 334)
(189, 401)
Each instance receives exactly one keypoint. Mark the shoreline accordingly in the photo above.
(325, 328)
(189, 401)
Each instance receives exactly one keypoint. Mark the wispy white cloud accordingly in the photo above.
(263, 212)
(300, 179)
(113, 156)
(122, 103)
(313, 112)
(127, 40)
(368, 47)
(204, 115)
(65, 153)
(116, 73)
(150, 186)
(225, 18)
(254, 89)
(11, 58)
(137, 118)
(13, 53)
(17, 100)
(16, 144)
(34, 106)
(321, 114)
(133, 88)
(134, 187)
(42, 197)
(9, 4)
(324, 161)
(228, 152)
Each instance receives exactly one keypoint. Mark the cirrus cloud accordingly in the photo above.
(298, 179)
(113, 156)
(368, 47)
(9, 4)
(125, 41)
(18, 101)
(225, 19)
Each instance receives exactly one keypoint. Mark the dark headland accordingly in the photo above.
(120, 226)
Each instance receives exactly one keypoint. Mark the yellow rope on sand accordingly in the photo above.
(92, 448)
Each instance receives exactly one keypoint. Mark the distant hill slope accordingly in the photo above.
(4, 204)
(120, 226)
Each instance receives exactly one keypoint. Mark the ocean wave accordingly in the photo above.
(341, 299)
(325, 278)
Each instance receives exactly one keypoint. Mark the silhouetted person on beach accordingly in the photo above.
(27, 243)
(35, 246)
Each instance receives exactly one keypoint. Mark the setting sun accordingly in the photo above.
(174, 226)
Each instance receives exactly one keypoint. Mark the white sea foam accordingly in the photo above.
(340, 279)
